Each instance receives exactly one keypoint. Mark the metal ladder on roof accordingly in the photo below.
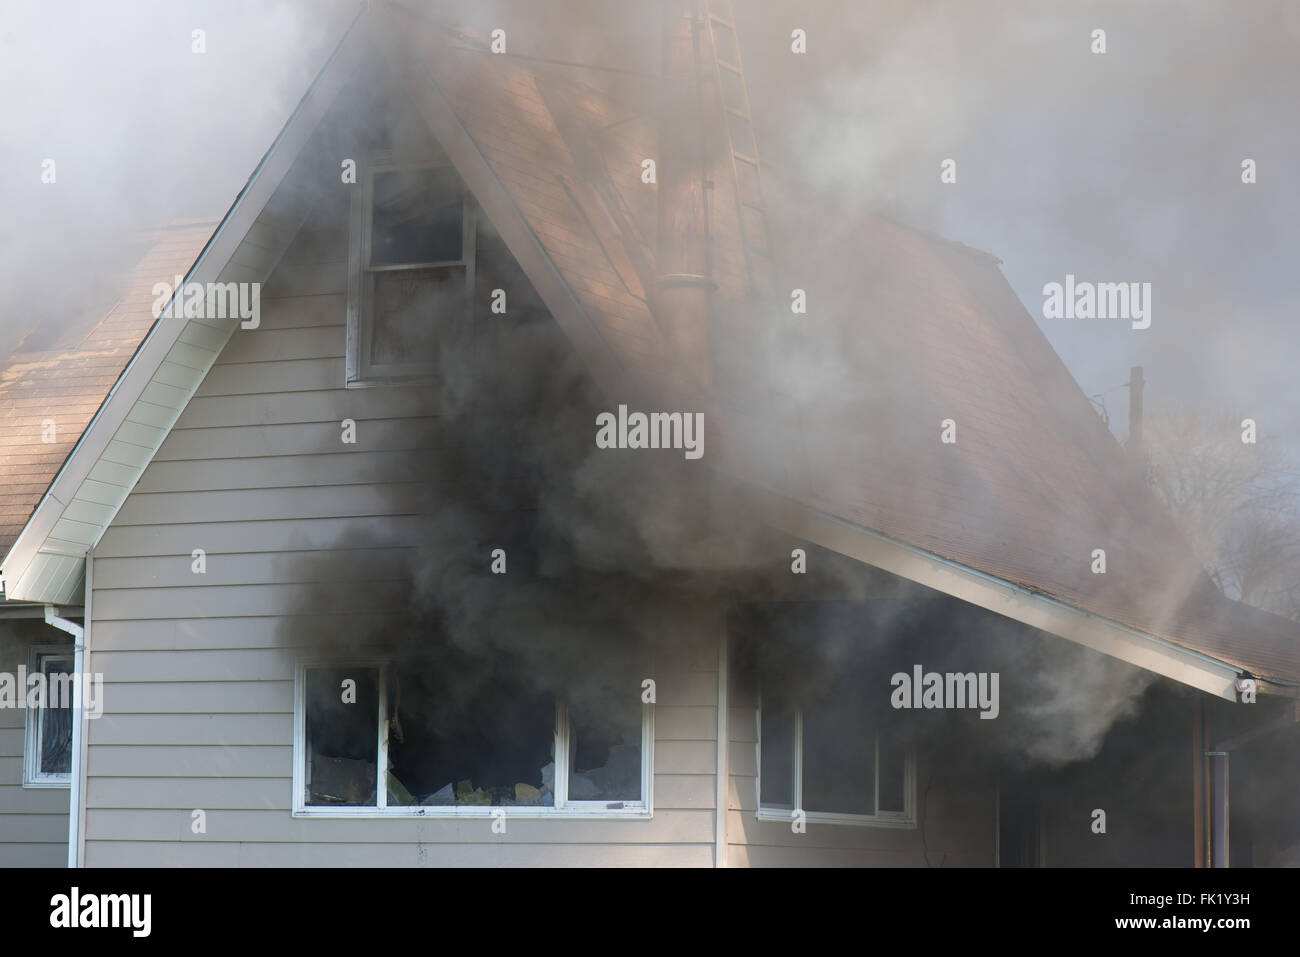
(729, 74)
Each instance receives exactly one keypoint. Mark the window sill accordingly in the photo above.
(482, 813)
(823, 817)
(376, 381)
(62, 783)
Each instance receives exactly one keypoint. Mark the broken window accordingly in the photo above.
(453, 739)
(342, 735)
(412, 270)
(49, 725)
(486, 742)
(604, 750)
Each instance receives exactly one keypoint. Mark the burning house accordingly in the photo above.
(379, 568)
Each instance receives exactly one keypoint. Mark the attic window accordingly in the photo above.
(48, 753)
(411, 270)
(452, 745)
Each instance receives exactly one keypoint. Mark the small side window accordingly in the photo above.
(826, 760)
(48, 753)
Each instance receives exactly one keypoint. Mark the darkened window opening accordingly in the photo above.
(413, 253)
(454, 743)
(823, 749)
(342, 735)
(605, 750)
(453, 739)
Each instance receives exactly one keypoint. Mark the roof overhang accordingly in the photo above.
(30, 609)
(1038, 610)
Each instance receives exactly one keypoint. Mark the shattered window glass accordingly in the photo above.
(458, 739)
(605, 748)
(462, 732)
(342, 735)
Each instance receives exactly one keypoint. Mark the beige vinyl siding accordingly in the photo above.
(33, 821)
(958, 832)
(299, 530)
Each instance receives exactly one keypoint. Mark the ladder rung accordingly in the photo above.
(754, 237)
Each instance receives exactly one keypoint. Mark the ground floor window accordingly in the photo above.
(413, 739)
(825, 757)
(831, 748)
(48, 753)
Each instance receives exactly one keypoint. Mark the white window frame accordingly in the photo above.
(360, 371)
(905, 818)
(33, 776)
(563, 808)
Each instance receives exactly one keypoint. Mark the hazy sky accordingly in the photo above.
(141, 129)
(1116, 167)
(1123, 166)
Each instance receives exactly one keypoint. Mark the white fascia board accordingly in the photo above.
(34, 571)
(1007, 599)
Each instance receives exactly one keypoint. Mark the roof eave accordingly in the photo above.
(1006, 598)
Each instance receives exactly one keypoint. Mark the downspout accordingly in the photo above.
(1199, 858)
(1218, 774)
(76, 784)
(1218, 826)
(723, 775)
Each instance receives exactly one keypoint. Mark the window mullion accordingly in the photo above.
(798, 759)
(758, 750)
(647, 753)
(39, 744)
(468, 245)
(365, 308)
(875, 799)
(561, 753)
(381, 766)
